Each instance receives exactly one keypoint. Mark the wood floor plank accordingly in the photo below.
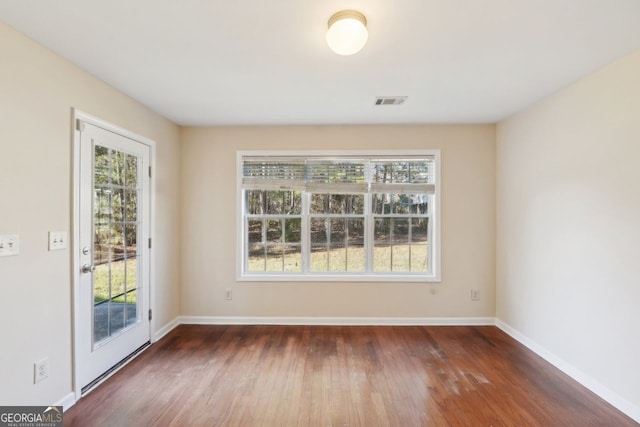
(340, 376)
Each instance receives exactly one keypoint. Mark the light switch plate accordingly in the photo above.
(57, 240)
(9, 244)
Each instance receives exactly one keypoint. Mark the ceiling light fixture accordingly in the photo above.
(347, 32)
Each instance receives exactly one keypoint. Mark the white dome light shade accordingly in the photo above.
(347, 32)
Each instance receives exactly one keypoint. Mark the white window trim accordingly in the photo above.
(435, 223)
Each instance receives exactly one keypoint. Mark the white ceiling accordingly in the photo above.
(245, 62)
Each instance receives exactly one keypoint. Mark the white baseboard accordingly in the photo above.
(338, 321)
(166, 329)
(589, 382)
(66, 402)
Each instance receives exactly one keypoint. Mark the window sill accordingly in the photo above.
(415, 278)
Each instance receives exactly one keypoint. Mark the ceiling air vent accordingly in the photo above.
(390, 100)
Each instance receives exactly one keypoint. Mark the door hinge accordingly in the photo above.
(149, 171)
(79, 125)
(150, 314)
(149, 242)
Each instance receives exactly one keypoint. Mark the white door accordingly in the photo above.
(112, 308)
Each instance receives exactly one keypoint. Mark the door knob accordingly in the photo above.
(88, 268)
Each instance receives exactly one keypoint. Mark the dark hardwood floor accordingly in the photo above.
(340, 376)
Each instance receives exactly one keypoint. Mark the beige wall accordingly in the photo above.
(568, 215)
(37, 91)
(209, 225)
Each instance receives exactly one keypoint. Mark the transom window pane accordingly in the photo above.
(403, 171)
(273, 169)
(335, 171)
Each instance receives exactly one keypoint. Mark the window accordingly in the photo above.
(338, 216)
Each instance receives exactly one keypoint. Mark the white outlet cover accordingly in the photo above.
(9, 244)
(41, 370)
(57, 240)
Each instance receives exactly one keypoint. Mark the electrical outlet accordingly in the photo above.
(41, 370)
(475, 295)
(57, 240)
(228, 294)
(9, 244)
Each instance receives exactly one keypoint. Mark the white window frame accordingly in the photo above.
(434, 223)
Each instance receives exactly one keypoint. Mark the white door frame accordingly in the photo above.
(77, 116)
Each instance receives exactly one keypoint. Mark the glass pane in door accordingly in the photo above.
(115, 241)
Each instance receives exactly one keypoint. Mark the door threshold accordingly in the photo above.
(115, 368)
